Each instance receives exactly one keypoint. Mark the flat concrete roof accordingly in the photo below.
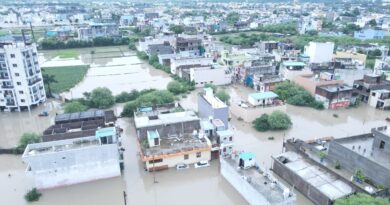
(262, 183)
(327, 183)
(165, 119)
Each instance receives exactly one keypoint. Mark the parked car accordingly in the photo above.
(201, 164)
(43, 114)
(182, 166)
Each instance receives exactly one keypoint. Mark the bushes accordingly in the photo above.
(26, 139)
(148, 98)
(223, 96)
(74, 106)
(361, 199)
(126, 97)
(276, 121)
(142, 55)
(32, 195)
(51, 43)
(296, 95)
(100, 98)
(179, 86)
(261, 123)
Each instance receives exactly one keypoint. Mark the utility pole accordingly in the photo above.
(124, 197)
(154, 173)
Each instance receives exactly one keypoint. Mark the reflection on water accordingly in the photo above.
(116, 68)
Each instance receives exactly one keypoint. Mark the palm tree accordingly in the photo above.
(48, 79)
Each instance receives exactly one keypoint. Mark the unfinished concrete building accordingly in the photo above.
(168, 136)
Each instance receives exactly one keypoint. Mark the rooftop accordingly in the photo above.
(79, 116)
(263, 95)
(336, 88)
(329, 184)
(263, 183)
(175, 144)
(61, 145)
(164, 119)
(293, 63)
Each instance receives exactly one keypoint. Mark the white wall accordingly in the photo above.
(320, 52)
(74, 166)
(188, 61)
(217, 76)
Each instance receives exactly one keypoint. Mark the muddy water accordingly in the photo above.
(116, 68)
(13, 125)
(192, 186)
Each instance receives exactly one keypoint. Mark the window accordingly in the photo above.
(15, 65)
(16, 74)
(18, 83)
(230, 139)
(198, 154)
(382, 145)
(22, 100)
(20, 92)
(12, 55)
(185, 156)
(155, 161)
(373, 94)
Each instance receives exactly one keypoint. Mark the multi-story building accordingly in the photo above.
(334, 96)
(98, 29)
(320, 52)
(370, 82)
(380, 99)
(21, 83)
(181, 44)
(168, 137)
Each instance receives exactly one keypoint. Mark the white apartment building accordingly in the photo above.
(320, 52)
(21, 83)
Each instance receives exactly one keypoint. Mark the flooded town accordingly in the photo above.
(188, 102)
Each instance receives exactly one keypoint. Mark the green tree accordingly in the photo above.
(177, 29)
(74, 106)
(148, 98)
(176, 87)
(232, 18)
(48, 80)
(223, 96)
(361, 199)
(261, 123)
(32, 195)
(129, 108)
(372, 23)
(212, 86)
(28, 138)
(101, 98)
(126, 97)
(279, 121)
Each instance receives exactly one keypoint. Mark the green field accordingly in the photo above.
(68, 54)
(67, 76)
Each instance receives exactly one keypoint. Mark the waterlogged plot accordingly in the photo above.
(120, 74)
(67, 77)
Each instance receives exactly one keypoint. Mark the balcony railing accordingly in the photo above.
(32, 82)
(7, 86)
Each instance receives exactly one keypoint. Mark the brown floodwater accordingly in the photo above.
(116, 68)
(193, 186)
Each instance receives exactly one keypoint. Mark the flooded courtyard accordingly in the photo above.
(122, 71)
